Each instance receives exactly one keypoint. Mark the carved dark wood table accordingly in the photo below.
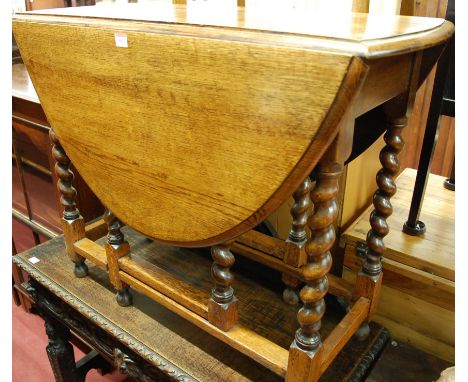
(149, 342)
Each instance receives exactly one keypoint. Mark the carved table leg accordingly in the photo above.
(297, 238)
(72, 222)
(60, 352)
(369, 279)
(223, 307)
(306, 350)
(116, 247)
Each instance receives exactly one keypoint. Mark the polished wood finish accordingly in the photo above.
(193, 298)
(92, 251)
(269, 244)
(295, 243)
(223, 307)
(297, 238)
(116, 248)
(257, 347)
(343, 332)
(318, 83)
(368, 37)
(387, 188)
(306, 351)
(254, 188)
(258, 198)
(72, 222)
(96, 229)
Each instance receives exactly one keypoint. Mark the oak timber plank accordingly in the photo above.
(339, 337)
(268, 244)
(247, 342)
(92, 251)
(187, 295)
(218, 109)
(429, 319)
(435, 251)
(409, 280)
(412, 320)
(417, 339)
(336, 285)
(96, 229)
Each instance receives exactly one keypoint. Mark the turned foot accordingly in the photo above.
(291, 296)
(81, 269)
(124, 297)
(291, 292)
(363, 332)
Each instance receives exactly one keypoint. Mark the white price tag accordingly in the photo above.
(121, 40)
(34, 260)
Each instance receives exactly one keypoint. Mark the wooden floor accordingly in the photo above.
(418, 297)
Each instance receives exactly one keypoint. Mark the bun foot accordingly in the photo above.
(291, 296)
(363, 332)
(81, 269)
(124, 297)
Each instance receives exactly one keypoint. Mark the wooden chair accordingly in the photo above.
(175, 127)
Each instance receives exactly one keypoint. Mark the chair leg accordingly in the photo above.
(223, 306)
(305, 353)
(72, 222)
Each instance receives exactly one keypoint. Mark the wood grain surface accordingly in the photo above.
(285, 17)
(191, 118)
(199, 149)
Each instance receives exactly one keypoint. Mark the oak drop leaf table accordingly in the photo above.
(193, 128)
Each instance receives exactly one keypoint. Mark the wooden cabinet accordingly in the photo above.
(36, 200)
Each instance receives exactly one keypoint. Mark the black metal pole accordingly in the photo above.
(413, 225)
(449, 183)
